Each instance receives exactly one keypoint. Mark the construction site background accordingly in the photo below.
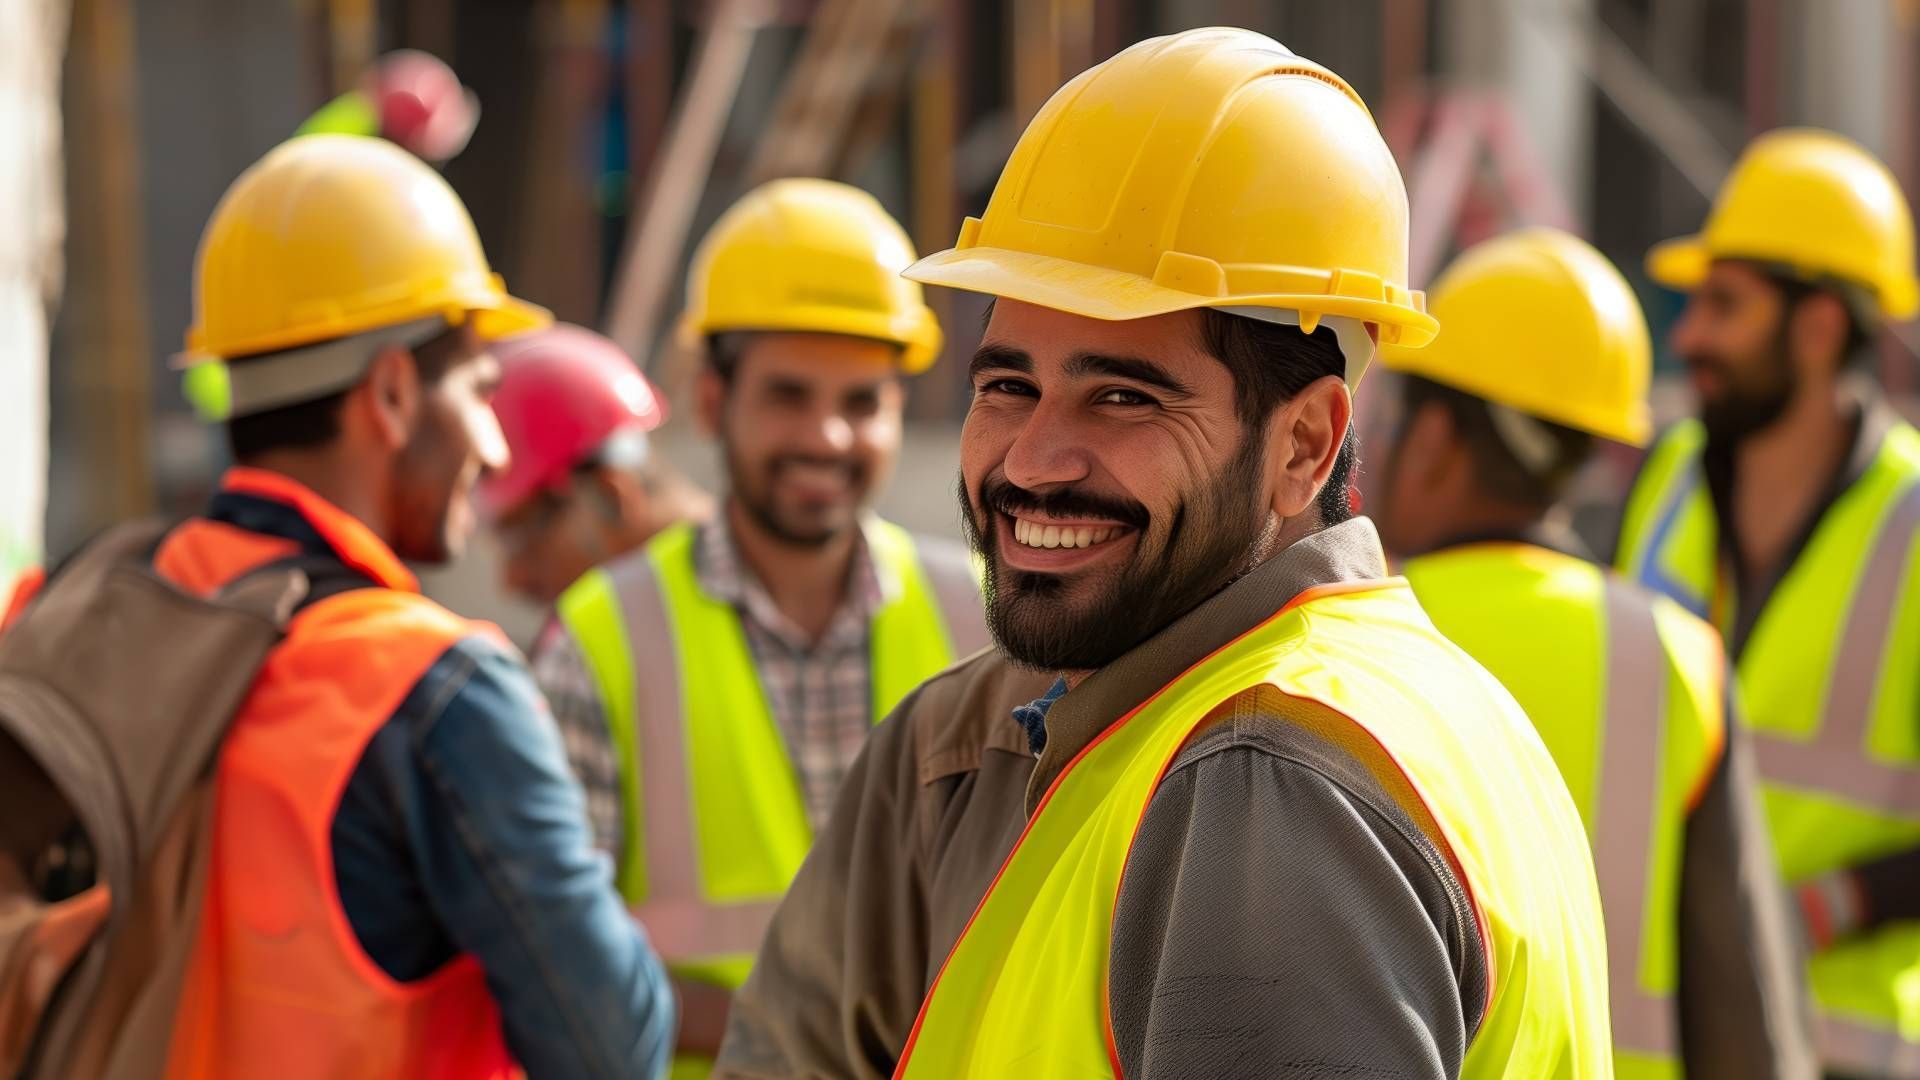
(614, 131)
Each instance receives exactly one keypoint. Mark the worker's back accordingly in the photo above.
(1625, 690)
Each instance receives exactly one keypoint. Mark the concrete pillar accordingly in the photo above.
(1531, 54)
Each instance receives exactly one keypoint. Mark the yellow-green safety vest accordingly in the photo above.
(1626, 689)
(1023, 992)
(715, 825)
(1829, 680)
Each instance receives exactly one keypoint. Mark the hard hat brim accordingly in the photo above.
(919, 341)
(1633, 429)
(508, 315)
(1680, 263)
(1098, 292)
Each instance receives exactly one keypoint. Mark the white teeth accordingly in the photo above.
(1033, 534)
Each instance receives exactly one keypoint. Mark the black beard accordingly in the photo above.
(1206, 546)
(761, 512)
(1744, 411)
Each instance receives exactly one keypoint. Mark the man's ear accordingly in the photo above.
(1817, 329)
(391, 396)
(710, 400)
(1303, 439)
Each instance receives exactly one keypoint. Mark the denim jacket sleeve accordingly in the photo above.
(476, 789)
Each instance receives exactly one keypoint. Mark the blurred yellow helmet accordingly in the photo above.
(1815, 202)
(1211, 168)
(1540, 322)
(810, 255)
(330, 236)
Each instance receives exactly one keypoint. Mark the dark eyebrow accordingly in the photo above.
(1126, 367)
(1000, 358)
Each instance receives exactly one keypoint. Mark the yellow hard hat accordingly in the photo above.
(1540, 322)
(1813, 201)
(810, 255)
(330, 236)
(1211, 168)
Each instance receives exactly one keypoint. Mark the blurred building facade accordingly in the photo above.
(614, 131)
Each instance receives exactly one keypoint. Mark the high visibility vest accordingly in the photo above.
(277, 984)
(1023, 992)
(1829, 680)
(715, 823)
(1625, 689)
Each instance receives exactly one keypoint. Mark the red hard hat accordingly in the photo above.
(422, 105)
(563, 392)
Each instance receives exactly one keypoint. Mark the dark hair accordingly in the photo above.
(1496, 471)
(1853, 300)
(306, 425)
(1270, 363)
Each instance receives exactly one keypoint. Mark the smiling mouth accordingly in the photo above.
(1035, 534)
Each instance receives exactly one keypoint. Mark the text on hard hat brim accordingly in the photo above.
(1099, 292)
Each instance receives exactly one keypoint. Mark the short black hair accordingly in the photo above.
(308, 425)
(1496, 471)
(1853, 300)
(1270, 363)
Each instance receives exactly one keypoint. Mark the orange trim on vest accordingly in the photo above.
(349, 537)
(278, 984)
(202, 556)
(1106, 1005)
(25, 588)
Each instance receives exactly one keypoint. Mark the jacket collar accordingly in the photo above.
(1349, 551)
(344, 535)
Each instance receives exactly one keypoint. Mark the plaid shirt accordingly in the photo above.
(818, 691)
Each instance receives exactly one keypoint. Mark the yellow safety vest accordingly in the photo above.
(1626, 690)
(1829, 680)
(1023, 993)
(715, 826)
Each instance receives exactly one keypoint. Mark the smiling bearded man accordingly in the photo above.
(1266, 821)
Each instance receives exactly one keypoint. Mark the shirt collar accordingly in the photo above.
(725, 576)
(1349, 551)
(348, 537)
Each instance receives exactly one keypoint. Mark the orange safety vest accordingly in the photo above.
(277, 984)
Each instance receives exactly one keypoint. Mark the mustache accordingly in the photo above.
(1000, 494)
(782, 462)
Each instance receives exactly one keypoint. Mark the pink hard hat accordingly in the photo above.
(422, 105)
(564, 391)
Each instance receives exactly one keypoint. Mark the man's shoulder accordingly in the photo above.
(966, 710)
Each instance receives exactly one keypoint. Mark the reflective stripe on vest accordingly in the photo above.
(1023, 992)
(1626, 691)
(277, 984)
(1624, 820)
(715, 823)
(1834, 759)
(1828, 681)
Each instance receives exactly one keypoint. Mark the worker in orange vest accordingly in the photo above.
(586, 483)
(402, 878)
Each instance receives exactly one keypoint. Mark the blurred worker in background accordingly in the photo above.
(718, 683)
(1543, 349)
(1787, 514)
(585, 483)
(1272, 823)
(409, 98)
(403, 879)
